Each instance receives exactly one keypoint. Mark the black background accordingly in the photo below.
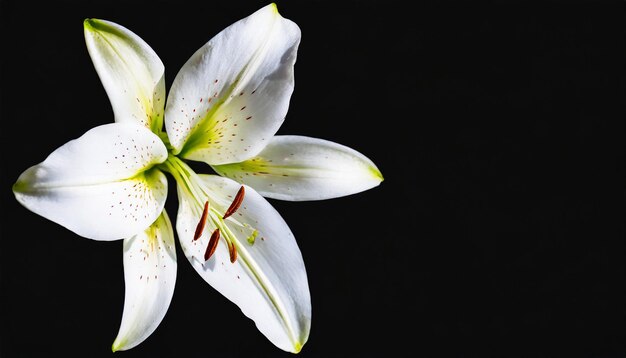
(498, 231)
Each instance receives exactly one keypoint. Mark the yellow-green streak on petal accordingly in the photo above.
(254, 165)
(205, 132)
(149, 176)
(261, 166)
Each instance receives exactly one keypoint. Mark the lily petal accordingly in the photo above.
(131, 72)
(268, 279)
(232, 95)
(102, 185)
(149, 276)
(303, 168)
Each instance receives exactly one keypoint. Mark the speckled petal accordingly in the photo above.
(149, 275)
(268, 280)
(302, 168)
(102, 185)
(233, 94)
(131, 72)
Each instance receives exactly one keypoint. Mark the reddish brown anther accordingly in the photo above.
(233, 252)
(210, 249)
(202, 223)
(236, 203)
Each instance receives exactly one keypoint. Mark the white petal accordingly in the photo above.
(100, 185)
(303, 168)
(232, 95)
(149, 276)
(131, 72)
(268, 280)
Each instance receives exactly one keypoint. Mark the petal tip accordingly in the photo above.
(25, 183)
(121, 344)
(376, 173)
(116, 346)
(297, 347)
(18, 187)
(274, 8)
(89, 24)
(98, 25)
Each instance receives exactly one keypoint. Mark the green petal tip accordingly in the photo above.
(88, 23)
(96, 25)
(116, 346)
(275, 8)
(376, 173)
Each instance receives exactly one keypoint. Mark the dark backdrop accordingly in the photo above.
(498, 230)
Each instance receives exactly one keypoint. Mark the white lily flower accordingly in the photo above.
(224, 107)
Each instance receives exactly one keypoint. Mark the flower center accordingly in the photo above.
(205, 207)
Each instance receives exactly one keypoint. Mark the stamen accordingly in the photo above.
(202, 223)
(233, 252)
(210, 249)
(235, 205)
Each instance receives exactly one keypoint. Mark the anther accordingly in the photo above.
(233, 252)
(202, 223)
(210, 249)
(236, 203)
